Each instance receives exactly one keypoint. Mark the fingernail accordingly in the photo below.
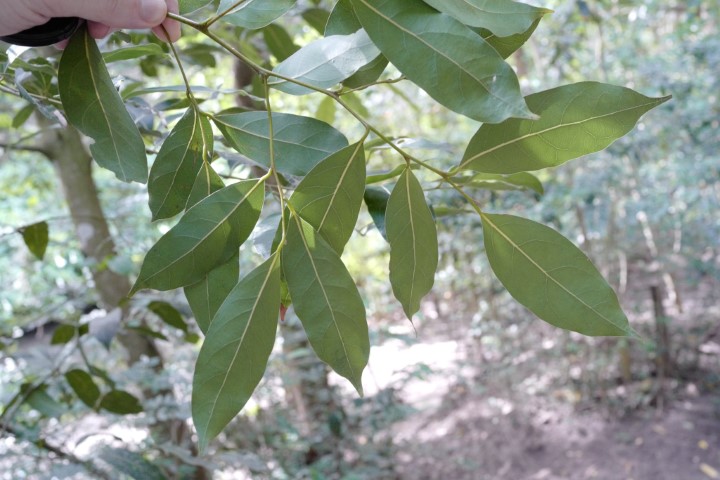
(153, 11)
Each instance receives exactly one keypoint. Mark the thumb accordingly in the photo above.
(113, 13)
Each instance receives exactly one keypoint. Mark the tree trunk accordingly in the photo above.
(64, 147)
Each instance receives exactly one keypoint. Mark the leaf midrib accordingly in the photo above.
(93, 80)
(518, 248)
(339, 184)
(325, 295)
(465, 163)
(210, 232)
(438, 52)
(241, 340)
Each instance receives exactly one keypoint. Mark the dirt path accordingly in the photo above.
(480, 438)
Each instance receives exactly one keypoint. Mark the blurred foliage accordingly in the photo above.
(665, 176)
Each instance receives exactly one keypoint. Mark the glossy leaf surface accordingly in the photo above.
(413, 243)
(234, 355)
(575, 120)
(327, 301)
(325, 62)
(443, 57)
(330, 196)
(255, 14)
(300, 142)
(93, 106)
(502, 17)
(552, 277)
(207, 236)
(178, 163)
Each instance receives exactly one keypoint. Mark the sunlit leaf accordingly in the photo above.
(178, 163)
(84, 386)
(327, 301)
(330, 196)
(93, 106)
(502, 17)
(574, 120)
(413, 241)
(255, 14)
(552, 277)
(206, 296)
(207, 236)
(234, 355)
(300, 142)
(443, 57)
(36, 238)
(325, 62)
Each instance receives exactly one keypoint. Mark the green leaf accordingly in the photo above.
(342, 20)
(22, 116)
(206, 296)
(326, 301)
(255, 14)
(327, 108)
(506, 46)
(84, 386)
(515, 181)
(93, 106)
(131, 53)
(120, 402)
(368, 74)
(36, 237)
(207, 236)
(330, 196)
(502, 17)
(189, 6)
(168, 314)
(44, 403)
(130, 463)
(325, 62)
(317, 18)
(373, 178)
(178, 163)
(549, 275)
(236, 350)
(574, 120)
(443, 57)
(300, 142)
(413, 243)
(279, 42)
(206, 183)
(376, 200)
(63, 334)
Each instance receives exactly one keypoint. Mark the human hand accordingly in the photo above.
(102, 15)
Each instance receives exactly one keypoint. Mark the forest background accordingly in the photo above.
(477, 387)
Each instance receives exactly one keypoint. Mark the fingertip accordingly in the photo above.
(98, 30)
